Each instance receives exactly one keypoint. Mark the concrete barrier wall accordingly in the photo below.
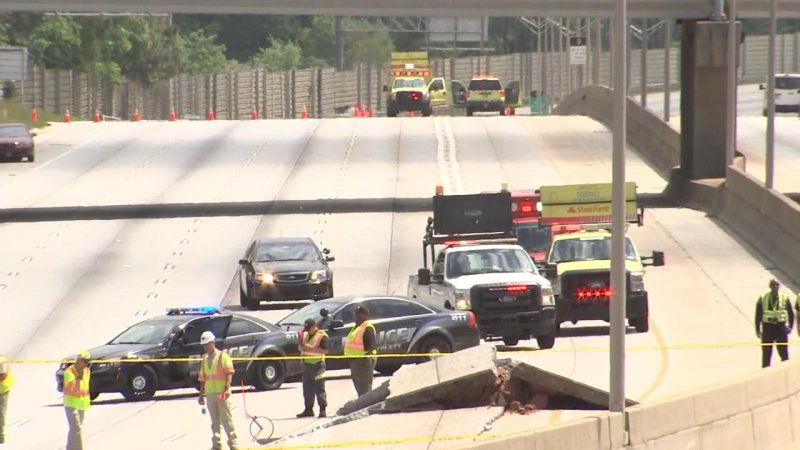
(757, 412)
(653, 138)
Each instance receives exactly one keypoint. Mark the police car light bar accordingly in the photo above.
(200, 310)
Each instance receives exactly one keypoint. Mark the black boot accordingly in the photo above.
(306, 413)
(322, 413)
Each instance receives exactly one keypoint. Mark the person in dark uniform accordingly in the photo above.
(361, 343)
(313, 346)
(774, 322)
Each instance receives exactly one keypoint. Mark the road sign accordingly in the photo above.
(577, 50)
(444, 29)
(13, 63)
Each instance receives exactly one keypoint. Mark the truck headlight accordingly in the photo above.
(547, 296)
(264, 278)
(319, 276)
(462, 299)
(637, 282)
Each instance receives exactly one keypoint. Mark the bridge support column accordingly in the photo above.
(704, 99)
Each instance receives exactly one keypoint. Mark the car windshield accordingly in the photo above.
(13, 131)
(587, 249)
(477, 261)
(485, 85)
(311, 311)
(406, 82)
(787, 82)
(287, 251)
(149, 332)
(532, 237)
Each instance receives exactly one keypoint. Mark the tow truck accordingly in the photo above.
(482, 268)
(579, 262)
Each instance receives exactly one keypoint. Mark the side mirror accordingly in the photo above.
(326, 251)
(385, 88)
(657, 258)
(329, 259)
(243, 262)
(550, 270)
(761, 87)
(337, 324)
(424, 277)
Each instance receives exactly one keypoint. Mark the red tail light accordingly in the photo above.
(471, 321)
(588, 294)
(415, 96)
(516, 288)
(526, 208)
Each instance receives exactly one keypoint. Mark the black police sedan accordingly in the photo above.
(402, 325)
(284, 269)
(122, 364)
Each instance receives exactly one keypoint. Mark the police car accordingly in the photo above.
(122, 364)
(403, 326)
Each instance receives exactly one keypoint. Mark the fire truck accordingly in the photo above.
(578, 262)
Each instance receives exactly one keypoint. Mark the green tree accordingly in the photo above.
(279, 56)
(199, 55)
(371, 46)
(154, 52)
(56, 43)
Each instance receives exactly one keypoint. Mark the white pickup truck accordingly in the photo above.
(498, 282)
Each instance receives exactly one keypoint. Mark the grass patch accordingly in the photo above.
(12, 111)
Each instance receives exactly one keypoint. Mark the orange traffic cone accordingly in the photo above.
(304, 113)
(136, 116)
(509, 111)
(356, 111)
(97, 117)
(67, 116)
(210, 114)
(34, 115)
(172, 117)
(363, 111)
(254, 113)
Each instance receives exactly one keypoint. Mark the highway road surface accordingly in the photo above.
(75, 284)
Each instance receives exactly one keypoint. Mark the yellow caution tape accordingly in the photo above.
(420, 355)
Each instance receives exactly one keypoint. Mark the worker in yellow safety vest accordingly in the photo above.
(6, 383)
(215, 377)
(76, 398)
(361, 343)
(774, 321)
(313, 347)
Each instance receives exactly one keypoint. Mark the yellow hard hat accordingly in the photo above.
(83, 354)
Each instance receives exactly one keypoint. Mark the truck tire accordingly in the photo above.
(510, 341)
(641, 324)
(427, 111)
(546, 342)
(391, 113)
(469, 111)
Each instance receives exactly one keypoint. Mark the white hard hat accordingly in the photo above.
(206, 337)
